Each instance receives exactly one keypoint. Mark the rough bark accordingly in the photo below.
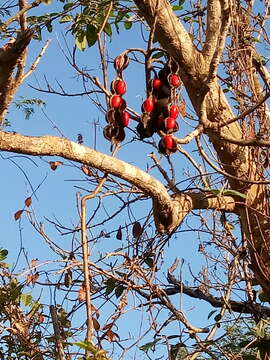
(169, 211)
(236, 160)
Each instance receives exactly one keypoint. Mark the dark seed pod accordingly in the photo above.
(121, 62)
(145, 132)
(163, 92)
(108, 132)
(164, 73)
(120, 135)
(110, 118)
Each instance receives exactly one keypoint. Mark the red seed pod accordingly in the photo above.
(170, 125)
(121, 62)
(156, 83)
(116, 101)
(119, 86)
(125, 118)
(174, 80)
(170, 143)
(167, 145)
(148, 105)
(173, 111)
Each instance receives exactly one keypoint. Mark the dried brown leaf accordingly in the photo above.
(136, 230)
(32, 278)
(28, 201)
(182, 108)
(96, 324)
(68, 278)
(82, 294)
(55, 164)
(95, 310)
(111, 336)
(87, 171)
(119, 233)
(18, 214)
(107, 326)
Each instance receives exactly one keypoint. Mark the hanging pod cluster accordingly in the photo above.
(117, 116)
(161, 108)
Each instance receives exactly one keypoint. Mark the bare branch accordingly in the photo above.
(236, 306)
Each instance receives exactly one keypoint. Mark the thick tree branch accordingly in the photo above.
(10, 56)
(171, 35)
(236, 306)
(212, 29)
(169, 212)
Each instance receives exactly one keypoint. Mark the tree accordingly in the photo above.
(216, 49)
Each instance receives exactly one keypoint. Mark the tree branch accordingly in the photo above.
(236, 306)
(169, 212)
(171, 35)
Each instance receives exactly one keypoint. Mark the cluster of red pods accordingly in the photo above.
(117, 116)
(160, 109)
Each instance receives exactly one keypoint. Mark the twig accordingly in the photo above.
(37, 60)
(86, 255)
(57, 334)
(20, 13)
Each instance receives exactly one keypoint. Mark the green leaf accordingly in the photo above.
(108, 30)
(149, 261)
(158, 55)
(26, 299)
(181, 2)
(119, 291)
(110, 286)
(263, 297)
(68, 6)
(81, 41)
(3, 254)
(177, 7)
(211, 313)
(235, 193)
(91, 35)
(66, 18)
(84, 345)
(128, 25)
(49, 26)
(149, 345)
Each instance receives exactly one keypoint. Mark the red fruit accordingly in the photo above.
(173, 111)
(125, 118)
(116, 101)
(170, 125)
(174, 80)
(156, 83)
(119, 87)
(169, 143)
(148, 105)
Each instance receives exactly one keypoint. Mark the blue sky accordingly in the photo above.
(56, 196)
